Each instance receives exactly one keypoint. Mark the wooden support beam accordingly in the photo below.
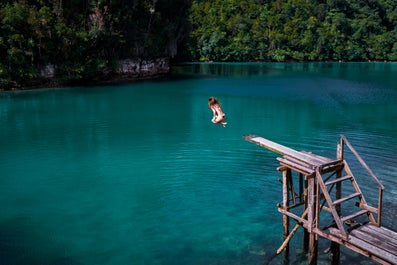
(292, 215)
(311, 214)
(291, 234)
(286, 176)
(335, 248)
(292, 189)
(313, 249)
(288, 238)
(305, 232)
(301, 190)
(335, 253)
(327, 197)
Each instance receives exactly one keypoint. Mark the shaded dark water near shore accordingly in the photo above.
(137, 174)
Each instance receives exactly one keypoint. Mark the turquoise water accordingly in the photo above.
(137, 173)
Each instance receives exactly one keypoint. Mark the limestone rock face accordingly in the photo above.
(124, 70)
(138, 67)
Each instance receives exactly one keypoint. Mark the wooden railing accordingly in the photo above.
(343, 142)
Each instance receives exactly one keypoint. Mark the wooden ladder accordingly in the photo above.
(326, 188)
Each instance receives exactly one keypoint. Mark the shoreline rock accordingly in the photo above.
(127, 70)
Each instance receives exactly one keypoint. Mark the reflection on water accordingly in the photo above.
(137, 173)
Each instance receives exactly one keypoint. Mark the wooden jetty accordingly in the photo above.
(319, 194)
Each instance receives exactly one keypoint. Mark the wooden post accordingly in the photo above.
(291, 188)
(313, 249)
(312, 257)
(335, 247)
(301, 188)
(340, 149)
(305, 231)
(286, 176)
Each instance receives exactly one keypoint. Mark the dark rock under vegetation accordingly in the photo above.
(124, 70)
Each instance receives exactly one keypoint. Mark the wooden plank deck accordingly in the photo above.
(301, 161)
(305, 157)
(378, 243)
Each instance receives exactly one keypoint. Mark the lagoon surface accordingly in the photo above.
(137, 173)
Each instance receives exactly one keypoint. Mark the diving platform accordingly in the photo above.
(318, 197)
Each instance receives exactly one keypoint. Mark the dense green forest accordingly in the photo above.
(303, 30)
(85, 38)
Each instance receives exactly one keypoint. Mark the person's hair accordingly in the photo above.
(213, 101)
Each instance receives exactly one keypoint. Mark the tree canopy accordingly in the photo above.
(302, 30)
(85, 37)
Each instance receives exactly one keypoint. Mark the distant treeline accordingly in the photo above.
(81, 38)
(302, 30)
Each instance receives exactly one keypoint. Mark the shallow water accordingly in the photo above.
(137, 174)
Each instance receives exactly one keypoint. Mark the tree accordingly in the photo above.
(83, 39)
(293, 30)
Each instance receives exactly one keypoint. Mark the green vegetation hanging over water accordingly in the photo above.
(303, 30)
(81, 40)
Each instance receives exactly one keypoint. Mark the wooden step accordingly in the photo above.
(354, 215)
(351, 196)
(338, 180)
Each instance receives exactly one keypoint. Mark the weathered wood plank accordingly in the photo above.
(380, 230)
(363, 247)
(318, 157)
(373, 249)
(354, 215)
(299, 168)
(367, 207)
(331, 166)
(297, 163)
(380, 240)
(281, 149)
(351, 196)
(337, 180)
(300, 162)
